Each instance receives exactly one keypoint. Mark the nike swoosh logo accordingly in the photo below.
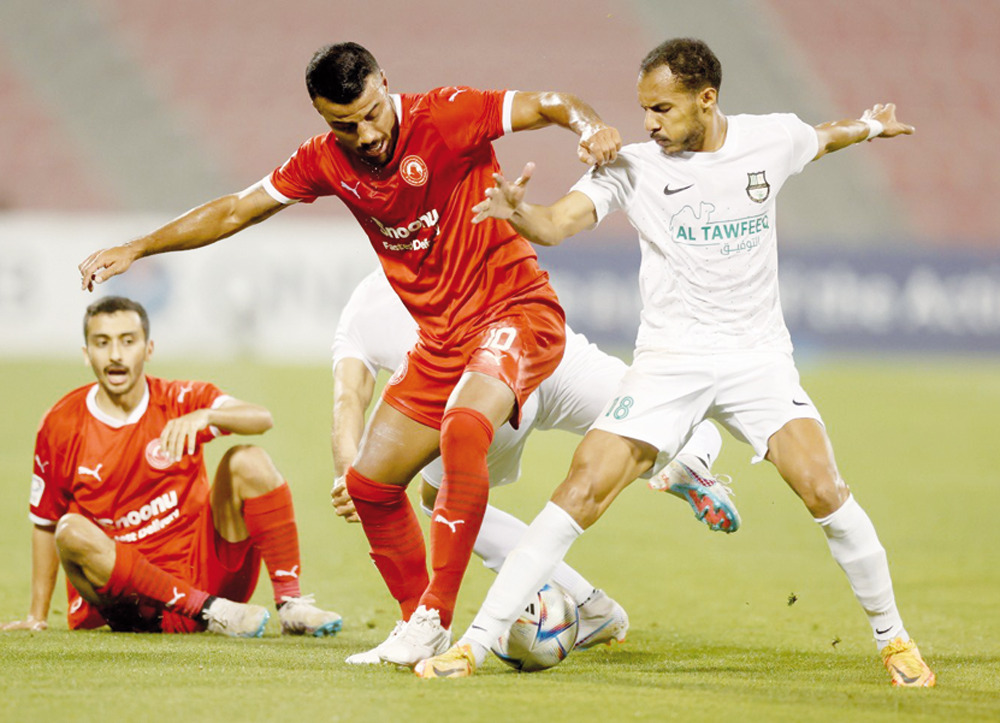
(906, 679)
(668, 191)
(882, 632)
(800, 404)
(456, 671)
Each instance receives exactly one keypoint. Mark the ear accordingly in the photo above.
(86, 356)
(708, 98)
(385, 80)
(149, 350)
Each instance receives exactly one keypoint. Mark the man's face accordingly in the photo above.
(117, 350)
(367, 126)
(675, 116)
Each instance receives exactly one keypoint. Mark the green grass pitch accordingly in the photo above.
(713, 635)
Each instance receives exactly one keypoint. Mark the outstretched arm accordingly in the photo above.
(879, 121)
(200, 226)
(543, 225)
(353, 388)
(599, 142)
(44, 569)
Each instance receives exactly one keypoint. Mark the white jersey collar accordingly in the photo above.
(101, 416)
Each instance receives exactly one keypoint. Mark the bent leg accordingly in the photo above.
(252, 501)
(603, 465)
(803, 455)
(104, 571)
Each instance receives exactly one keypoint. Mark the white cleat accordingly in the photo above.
(237, 620)
(299, 616)
(602, 621)
(687, 477)
(373, 656)
(422, 637)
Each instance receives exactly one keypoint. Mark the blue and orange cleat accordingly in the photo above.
(687, 477)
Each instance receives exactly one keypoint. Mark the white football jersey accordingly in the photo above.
(378, 330)
(707, 231)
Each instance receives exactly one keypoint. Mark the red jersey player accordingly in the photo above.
(491, 329)
(120, 496)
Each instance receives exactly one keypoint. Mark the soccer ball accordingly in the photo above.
(543, 635)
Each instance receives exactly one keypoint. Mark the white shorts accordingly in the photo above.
(663, 396)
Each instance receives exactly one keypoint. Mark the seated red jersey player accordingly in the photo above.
(120, 496)
(409, 167)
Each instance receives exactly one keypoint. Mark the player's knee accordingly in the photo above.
(77, 538)
(821, 488)
(251, 469)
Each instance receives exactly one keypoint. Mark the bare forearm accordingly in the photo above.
(537, 224)
(345, 435)
(568, 111)
(199, 227)
(44, 571)
(242, 418)
(837, 135)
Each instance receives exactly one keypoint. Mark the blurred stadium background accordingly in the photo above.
(119, 114)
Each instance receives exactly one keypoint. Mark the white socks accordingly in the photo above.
(856, 548)
(705, 443)
(500, 533)
(527, 568)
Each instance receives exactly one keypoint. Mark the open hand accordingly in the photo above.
(502, 200)
(29, 623)
(886, 115)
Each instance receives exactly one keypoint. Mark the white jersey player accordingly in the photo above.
(375, 332)
(712, 341)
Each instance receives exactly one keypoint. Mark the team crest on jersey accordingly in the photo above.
(758, 189)
(400, 372)
(156, 456)
(413, 170)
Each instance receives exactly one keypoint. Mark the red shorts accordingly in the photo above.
(217, 566)
(521, 347)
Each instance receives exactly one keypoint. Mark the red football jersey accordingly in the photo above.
(115, 473)
(452, 275)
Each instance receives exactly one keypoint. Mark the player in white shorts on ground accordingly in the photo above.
(376, 331)
(712, 341)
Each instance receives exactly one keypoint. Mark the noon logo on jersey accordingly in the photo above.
(156, 456)
(413, 170)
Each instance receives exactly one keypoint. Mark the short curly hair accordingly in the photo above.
(691, 61)
(339, 72)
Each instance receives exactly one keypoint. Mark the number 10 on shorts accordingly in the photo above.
(500, 338)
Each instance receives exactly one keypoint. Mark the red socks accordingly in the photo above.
(133, 574)
(397, 544)
(270, 520)
(461, 503)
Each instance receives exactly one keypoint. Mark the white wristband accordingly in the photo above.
(875, 128)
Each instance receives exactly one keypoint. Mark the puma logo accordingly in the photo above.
(95, 473)
(177, 596)
(41, 465)
(451, 98)
(183, 393)
(452, 525)
(294, 572)
(353, 190)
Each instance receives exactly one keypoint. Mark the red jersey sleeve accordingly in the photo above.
(299, 178)
(190, 396)
(468, 117)
(50, 479)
